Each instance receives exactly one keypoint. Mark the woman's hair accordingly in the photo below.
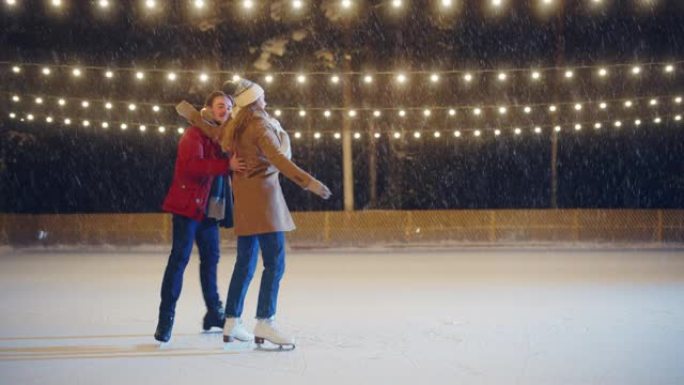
(210, 99)
(239, 123)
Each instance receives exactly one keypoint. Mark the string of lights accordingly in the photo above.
(368, 78)
(495, 7)
(500, 109)
(495, 130)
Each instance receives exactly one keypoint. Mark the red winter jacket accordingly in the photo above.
(197, 162)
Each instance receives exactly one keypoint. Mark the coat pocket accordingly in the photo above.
(181, 198)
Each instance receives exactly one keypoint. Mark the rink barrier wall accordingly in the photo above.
(369, 228)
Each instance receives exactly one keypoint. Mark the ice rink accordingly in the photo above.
(581, 315)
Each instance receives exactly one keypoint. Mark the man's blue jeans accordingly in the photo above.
(273, 253)
(186, 232)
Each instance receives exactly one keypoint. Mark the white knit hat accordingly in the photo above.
(247, 92)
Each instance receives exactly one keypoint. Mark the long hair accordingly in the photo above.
(237, 126)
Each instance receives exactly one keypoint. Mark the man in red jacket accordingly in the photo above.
(199, 161)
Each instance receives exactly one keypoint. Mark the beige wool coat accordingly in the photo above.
(259, 202)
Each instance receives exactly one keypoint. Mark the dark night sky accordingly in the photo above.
(75, 169)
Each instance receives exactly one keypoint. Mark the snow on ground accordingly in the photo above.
(461, 316)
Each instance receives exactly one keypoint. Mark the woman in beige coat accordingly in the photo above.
(261, 214)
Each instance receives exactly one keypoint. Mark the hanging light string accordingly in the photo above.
(500, 109)
(344, 8)
(367, 77)
(495, 129)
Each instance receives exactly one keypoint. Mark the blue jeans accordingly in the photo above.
(187, 231)
(273, 253)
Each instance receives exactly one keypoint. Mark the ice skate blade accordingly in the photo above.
(229, 339)
(272, 346)
(238, 346)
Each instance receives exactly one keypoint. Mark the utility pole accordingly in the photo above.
(559, 62)
(347, 166)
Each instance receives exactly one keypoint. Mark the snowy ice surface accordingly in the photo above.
(461, 316)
